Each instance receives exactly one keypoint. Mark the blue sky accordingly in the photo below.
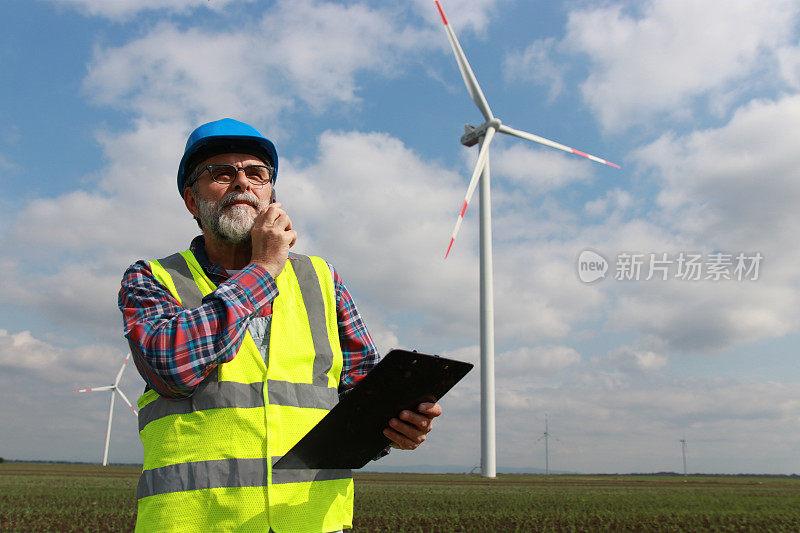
(366, 106)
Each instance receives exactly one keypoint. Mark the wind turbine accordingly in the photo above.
(546, 437)
(484, 134)
(683, 449)
(114, 391)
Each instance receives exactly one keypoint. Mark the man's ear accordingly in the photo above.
(191, 202)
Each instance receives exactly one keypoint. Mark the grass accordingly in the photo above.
(58, 497)
(577, 503)
(61, 497)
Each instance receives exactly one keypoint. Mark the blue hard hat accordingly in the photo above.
(221, 137)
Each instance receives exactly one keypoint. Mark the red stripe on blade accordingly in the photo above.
(448, 247)
(578, 152)
(441, 12)
(463, 209)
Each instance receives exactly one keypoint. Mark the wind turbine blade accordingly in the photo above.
(108, 431)
(547, 142)
(122, 369)
(125, 398)
(96, 389)
(466, 71)
(483, 156)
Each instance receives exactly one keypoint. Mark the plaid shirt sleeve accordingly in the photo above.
(358, 350)
(175, 348)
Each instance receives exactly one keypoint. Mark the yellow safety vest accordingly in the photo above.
(208, 458)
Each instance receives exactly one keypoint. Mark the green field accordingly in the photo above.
(56, 497)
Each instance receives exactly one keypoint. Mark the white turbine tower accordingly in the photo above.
(484, 134)
(546, 437)
(114, 391)
(683, 449)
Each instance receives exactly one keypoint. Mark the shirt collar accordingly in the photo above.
(215, 272)
(198, 248)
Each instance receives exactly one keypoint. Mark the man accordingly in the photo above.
(244, 348)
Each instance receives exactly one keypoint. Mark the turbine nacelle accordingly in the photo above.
(472, 135)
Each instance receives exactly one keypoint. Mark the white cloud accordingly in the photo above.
(22, 353)
(43, 223)
(630, 358)
(536, 169)
(125, 9)
(737, 183)
(538, 360)
(535, 64)
(308, 52)
(320, 47)
(706, 317)
(174, 74)
(731, 189)
(463, 15)
(615, 201)
(789, 65)
(660, 57)
(697, 317)
(5, 164)
(21, 350)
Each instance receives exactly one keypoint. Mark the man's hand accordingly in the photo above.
(272, 236)
(408, 430)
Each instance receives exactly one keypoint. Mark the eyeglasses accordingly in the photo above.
(257, 175)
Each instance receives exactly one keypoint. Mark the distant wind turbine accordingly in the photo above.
(114, 391)
(546, 437)
(484, 134)
(683, 449)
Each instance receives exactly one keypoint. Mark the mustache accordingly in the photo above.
(234, 197)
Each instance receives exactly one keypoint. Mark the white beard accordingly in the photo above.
(230, 223)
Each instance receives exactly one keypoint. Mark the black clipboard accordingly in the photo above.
(351, 434)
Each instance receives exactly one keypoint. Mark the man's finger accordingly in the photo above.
(277, 218)
(267, 207)
(402, 440)
(409, 431)
(431, 410)
(421, 421)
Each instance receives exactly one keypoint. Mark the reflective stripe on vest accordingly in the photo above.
(208, 457)
(230, 394)
(226, 473)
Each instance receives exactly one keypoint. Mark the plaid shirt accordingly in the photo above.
(176, 348)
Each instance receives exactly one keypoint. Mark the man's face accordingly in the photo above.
(228, 211)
